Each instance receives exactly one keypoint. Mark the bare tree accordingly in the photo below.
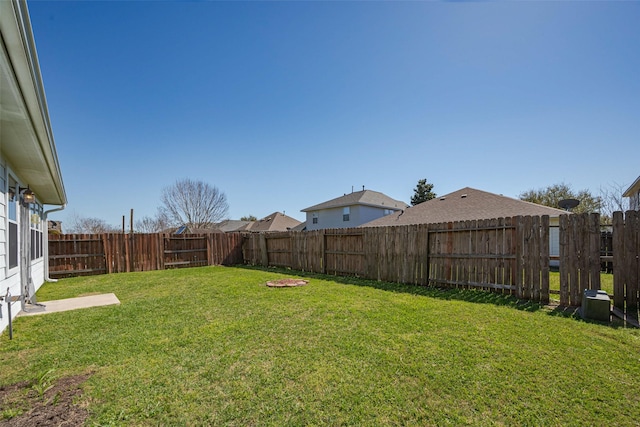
(612, 200)
(155, 224)
(194, 203)
(84, 225)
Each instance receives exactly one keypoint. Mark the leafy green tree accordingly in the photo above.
(553, 194)
(422, 192)
(248, 218)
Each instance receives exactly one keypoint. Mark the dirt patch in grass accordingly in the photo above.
(30, 403)
(287, 283)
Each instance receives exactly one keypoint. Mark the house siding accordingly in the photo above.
(10, 279)
(634, 201)
(333, 218)
(28, 135)
(3, 220)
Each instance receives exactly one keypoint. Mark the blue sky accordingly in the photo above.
(283, 105)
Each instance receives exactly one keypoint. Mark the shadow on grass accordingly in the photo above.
(468, 295)
(478, 296)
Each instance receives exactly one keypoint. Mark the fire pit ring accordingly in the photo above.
(286, 283)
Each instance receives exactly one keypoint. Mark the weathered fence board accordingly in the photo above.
(86, 254)
(626, 262)
(579, 256)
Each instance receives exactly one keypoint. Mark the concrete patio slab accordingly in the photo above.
(69, 304)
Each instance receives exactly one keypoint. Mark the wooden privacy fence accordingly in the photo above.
(88, 254)
(626, 262)
(506, 255)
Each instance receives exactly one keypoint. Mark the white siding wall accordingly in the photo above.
(634, 202)
(3, 220)
(37, 272)
(11, 279)
(8, 279)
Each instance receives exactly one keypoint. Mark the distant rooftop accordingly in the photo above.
(364, 197)
(463, 205)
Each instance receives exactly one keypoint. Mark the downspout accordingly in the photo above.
(45, 215)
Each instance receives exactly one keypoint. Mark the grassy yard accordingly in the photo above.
(215, 346)
(606, 283)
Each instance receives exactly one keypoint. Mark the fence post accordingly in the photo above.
(631, 248)
(544, 260)
(594, 250)
(519, 257)
(264, 255)
(618, 260)
(107, 253)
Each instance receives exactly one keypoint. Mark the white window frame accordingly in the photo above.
(346, 213)
(35, 229)
(13, 208)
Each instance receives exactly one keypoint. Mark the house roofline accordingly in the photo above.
(18, 47)
(632, 188)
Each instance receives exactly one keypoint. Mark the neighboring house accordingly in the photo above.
(186, 229)
(55, 226)
(633, 193)
(231, 225)
(30, 175)
(351, 210)
(275, 222)
(471, 204)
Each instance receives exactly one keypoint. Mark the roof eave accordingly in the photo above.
(34, 151)
(634, 188)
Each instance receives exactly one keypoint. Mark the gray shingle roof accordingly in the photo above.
(229, 225)
(463, 205)
(365, 197)
(274, 222)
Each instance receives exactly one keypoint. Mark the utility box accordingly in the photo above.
(596, 305)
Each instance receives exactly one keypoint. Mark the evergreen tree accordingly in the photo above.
(423, 192)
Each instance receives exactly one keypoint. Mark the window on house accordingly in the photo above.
(12, 219)
(36, 231)
(345, 213)
(314, 218)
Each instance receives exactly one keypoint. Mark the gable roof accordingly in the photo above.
(275, 222)
(463, 205)
(364, 197)
(185, 229)
(229, 225)
(633, 189)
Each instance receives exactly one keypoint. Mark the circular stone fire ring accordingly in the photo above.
(287, 283)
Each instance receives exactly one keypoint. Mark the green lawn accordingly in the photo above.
(606, 283)
(215, 346)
